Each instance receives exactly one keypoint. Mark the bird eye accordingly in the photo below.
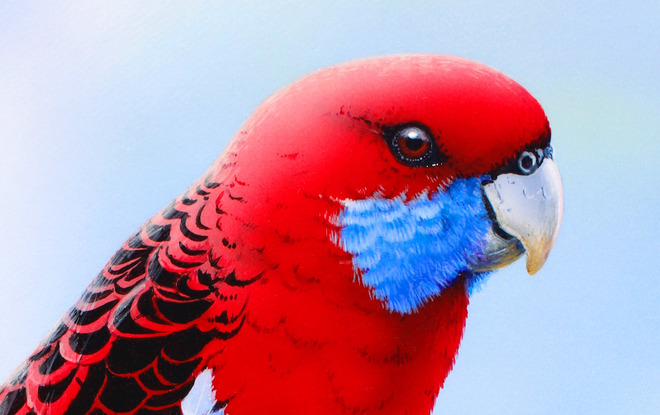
(528, 162)
(413, 145)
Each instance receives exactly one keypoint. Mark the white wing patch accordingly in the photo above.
(201, 398)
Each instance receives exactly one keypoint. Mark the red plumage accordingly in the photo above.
(242, 274)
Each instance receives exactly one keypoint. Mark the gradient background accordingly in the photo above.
(109, 110)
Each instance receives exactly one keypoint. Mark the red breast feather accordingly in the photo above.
(324, 344)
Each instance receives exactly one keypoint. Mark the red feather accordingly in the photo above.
(242, 273)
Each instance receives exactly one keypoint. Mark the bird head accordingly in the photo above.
(421, 168)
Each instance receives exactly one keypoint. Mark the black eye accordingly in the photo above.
(528, 162)
(413, 145)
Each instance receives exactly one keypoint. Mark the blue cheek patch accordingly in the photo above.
(409, 250)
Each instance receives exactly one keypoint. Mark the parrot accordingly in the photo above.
(325, 261)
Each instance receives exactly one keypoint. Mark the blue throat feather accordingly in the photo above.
(408, 251)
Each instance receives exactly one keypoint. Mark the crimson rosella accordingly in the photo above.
(323, 264)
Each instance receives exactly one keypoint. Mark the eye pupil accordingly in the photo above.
(527, 162)
(413, 144)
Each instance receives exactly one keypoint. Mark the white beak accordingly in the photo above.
(529, 208)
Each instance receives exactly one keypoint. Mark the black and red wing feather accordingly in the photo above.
(139, 334)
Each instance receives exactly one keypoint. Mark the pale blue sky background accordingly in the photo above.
(110, 109)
